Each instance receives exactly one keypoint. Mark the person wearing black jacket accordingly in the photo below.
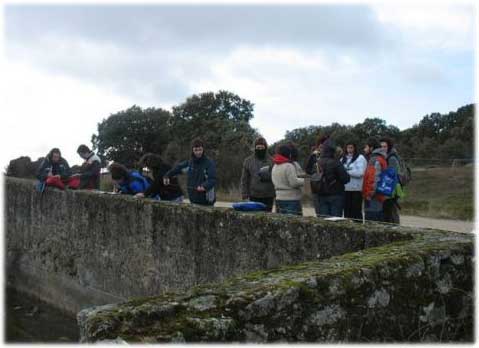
(159, 168)
(311, 168)
(331, 193)
(54, 170)
(201, 175)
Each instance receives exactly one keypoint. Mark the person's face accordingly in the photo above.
(83, 155)
(367, 149)
(55, 157)
(198, 151)
(384, 146)
(350, 149)
(260, 147)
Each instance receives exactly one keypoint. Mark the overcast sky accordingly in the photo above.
(68, 67)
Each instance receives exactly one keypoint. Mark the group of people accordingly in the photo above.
(55, 171)
(342, 180)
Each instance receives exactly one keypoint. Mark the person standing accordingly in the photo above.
(334, 177)
(355, 165)
(311, 169)
(391, 204)
(253, 186)
(201, 175)
(373, 202)
(286, 182)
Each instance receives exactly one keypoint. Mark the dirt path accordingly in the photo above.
(412, 221)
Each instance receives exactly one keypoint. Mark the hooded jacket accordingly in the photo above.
(251, 184)
(200, 172)
(333, 171)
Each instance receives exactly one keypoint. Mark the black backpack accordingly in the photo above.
(320, 183)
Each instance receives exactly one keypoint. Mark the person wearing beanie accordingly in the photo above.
(255, 187)
(285, 179)
(201, 175)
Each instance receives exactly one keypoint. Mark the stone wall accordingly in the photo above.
(419, 290)
(76, 249)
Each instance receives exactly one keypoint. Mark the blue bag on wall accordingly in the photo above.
(249, 206)
(387, 182)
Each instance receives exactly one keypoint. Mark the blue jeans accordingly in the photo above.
(289, 207)
(331, 205)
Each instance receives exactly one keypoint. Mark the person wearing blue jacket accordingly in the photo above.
(201, 175)
(127, 181)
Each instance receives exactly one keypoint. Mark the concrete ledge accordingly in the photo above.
(77, 249)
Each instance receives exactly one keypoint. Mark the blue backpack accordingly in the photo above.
(249, 206)
(387, 182)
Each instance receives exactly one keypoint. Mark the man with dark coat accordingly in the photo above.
(253, 186)
(201, 175)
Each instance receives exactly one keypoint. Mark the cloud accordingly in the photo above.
(444, 25)
(299, 65)
(191, 26)
(42, 111)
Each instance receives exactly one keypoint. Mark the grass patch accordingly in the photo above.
(441, 193)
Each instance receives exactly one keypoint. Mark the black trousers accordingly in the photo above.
(353, 205)
(391, 211)
(268, 201)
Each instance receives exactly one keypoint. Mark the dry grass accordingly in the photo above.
(441, 193)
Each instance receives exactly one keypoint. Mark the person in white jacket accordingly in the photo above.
(355, 165)
(288, 187)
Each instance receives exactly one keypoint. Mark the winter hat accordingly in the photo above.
(260, 141)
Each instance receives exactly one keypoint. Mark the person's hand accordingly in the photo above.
(200, 189)
(166, 181)
(140, 195)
